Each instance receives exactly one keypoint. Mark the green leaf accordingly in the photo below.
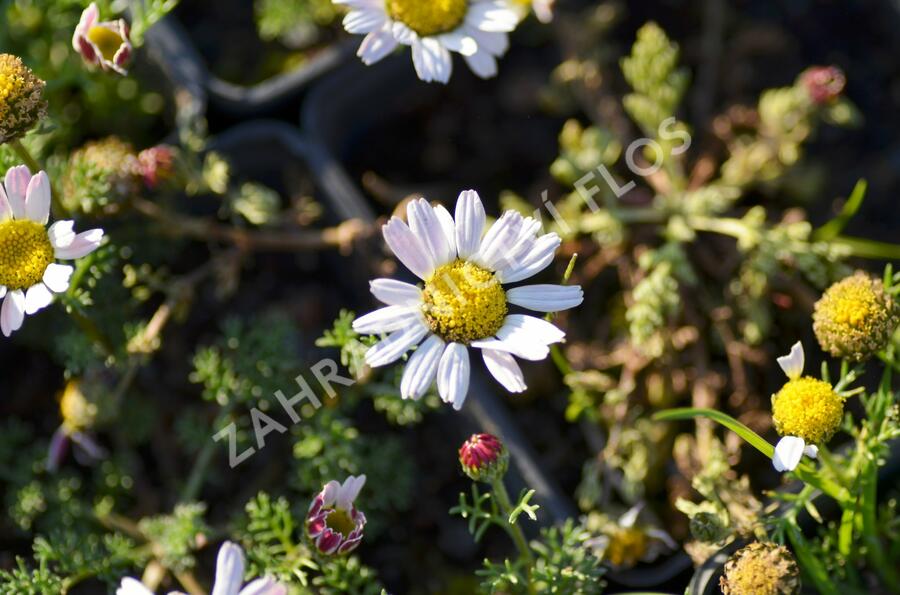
(833, 228)
(754, 439)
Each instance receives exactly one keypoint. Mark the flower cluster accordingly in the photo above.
(22, 102)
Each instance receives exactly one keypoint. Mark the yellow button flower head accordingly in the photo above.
(855, 317)
(761, 569)
(806, 411)
(22, 102)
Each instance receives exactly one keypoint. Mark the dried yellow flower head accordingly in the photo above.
(855, 317)
(761, 569)
(22, 102)
(807, 408)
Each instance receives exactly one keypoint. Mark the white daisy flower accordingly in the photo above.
(806, 411)
(463, 303)
(229, 578)
(477, 29)
(29, 273)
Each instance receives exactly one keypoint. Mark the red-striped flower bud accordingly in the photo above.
(483, 457)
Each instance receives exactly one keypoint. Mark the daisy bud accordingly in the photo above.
(708, 527)
(855, 317)
(823, 83)
(484, 458)
(761, 569)
(22, 103)
(105, 44)
(157, 164)
(333, 523)
(100, 176)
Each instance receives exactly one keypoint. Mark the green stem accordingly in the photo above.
(864, 248)
(59, 211)
(810, 564)
(885, 569)
(201, 464)
(514, 530)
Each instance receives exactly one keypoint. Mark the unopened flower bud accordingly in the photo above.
(22, 103)
(105, 44)
(708, 527)
(157, 165)
(100, 176)
(823, 83)
(483, 457)
(761, 569)
(855, 317)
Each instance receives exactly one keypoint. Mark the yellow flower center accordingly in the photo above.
(428, 17)
(807, 408)
(627, 546)
(11, 83)
(77, 412)
(25, 252)
(21, 98)
(464, 302)
(340, 521)
(106, 40)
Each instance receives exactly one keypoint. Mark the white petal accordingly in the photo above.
(132, 586)
(5, 209)
(504, 368)
(421, 368)
(395, 345)
(362, 4)
(13, 312)
(17, 180)
(57, 276)
(492, 16)
(524, 336)
(788, 452)
(403, 34)
(330, 493)
(396, 293)
(82, 245)
(546, 298)
(449, 228)
(62, 233)
(349, 491)
(811, 450)
(264, 586)
(536, 260)
(494, 43)
(424, 222)
(229, 570)
(37, 298)
(482, 64)
(792, 363)
(37, 198)
(470, 219)
(432, 60)
(459, 41)
(453, 375)
(375, 46)
(364, 20)
(499, 240)
(531, 351)
(2, 292)
(407, 248)
(387, 320)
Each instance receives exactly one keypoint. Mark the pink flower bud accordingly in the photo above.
(333, 523)
(483, 457)
(824, 83)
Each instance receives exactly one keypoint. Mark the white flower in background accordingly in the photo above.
(229, 578)
(806, 412)
(477, 29)
(463, 303)
(29, 273)
(543, 9)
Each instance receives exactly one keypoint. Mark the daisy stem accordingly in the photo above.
(515, 532)
(59, 211)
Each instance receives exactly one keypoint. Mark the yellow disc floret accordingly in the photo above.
(464, 302)
(807, 408)
(431, 17)
(340, 521)
(761, 569)
(25, 253)
(21, 98)
(106, 39)
(855, 317)
(627, 545)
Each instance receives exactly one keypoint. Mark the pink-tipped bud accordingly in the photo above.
(823, 83)
(157, 164)
(333, 523)
(483, 457)
(106, 44)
